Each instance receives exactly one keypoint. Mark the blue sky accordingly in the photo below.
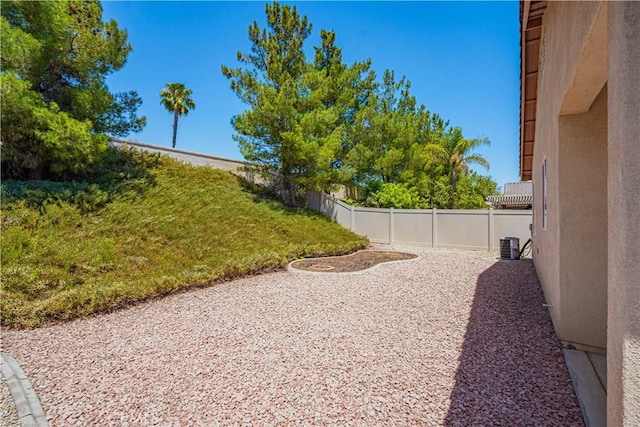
(462, 59)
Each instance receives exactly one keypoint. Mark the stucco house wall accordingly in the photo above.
(587, 202)
(570, 248)
(623, 333)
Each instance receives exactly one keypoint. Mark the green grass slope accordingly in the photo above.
(71, 250)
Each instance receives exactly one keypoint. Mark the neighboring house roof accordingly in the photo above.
(511, 201)
(525, 187)
(516, 195)
(531, 13)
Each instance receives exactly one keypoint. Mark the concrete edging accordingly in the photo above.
(30, 413)
(589, 389)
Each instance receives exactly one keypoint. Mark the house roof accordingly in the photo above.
(516, 194)
(511, 200)
(531, 13)
(524, 187)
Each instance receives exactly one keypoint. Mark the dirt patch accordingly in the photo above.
(349, 263)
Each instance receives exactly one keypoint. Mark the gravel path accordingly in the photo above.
(449, 338)
(8, 414)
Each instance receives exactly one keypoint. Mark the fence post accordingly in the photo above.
(391, 226)
(353, 217)
(490, 230)
(434, 228)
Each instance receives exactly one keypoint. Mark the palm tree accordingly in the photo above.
(176, 98)
(459, 155)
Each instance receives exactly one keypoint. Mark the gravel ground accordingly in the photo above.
(8, 414)
(449, 338)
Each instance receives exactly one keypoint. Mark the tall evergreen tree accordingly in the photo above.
(271, 86)
(299, 111)
(320, 123)
(176, 98)
(336, 91)
(386, 131)
(426, 154)
(55, 57)
(66, 51)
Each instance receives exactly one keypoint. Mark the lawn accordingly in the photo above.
(151, 227)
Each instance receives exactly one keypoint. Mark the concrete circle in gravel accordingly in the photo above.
(355, 263)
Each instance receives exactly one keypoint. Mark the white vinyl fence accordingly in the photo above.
(438, 228)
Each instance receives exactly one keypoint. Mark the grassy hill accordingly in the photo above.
(146, 227)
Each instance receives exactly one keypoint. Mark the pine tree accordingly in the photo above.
(299, 111)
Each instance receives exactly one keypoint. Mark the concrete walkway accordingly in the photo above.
(588, 373)
(30, 413)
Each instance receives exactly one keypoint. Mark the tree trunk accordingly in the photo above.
(288, 196)
(453, 189)
(36, 173)
(175, 127)
(288, 188)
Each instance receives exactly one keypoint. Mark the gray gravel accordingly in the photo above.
(8, 414)
(449, 338)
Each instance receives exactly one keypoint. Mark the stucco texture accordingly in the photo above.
(623, 349)
(588, 133)
(570, 252)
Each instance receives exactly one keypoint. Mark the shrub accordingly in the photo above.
(399, 196)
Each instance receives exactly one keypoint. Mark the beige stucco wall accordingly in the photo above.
(237, 167)
(571, 270)
(586, 133)
(623, 348)
(582, 181)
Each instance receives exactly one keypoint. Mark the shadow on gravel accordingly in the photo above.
(511, 371)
